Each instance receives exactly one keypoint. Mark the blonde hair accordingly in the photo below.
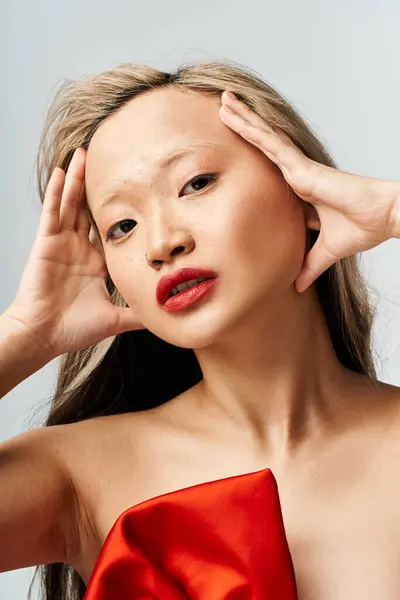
(87, 379)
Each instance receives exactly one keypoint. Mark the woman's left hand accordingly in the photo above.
(353, 213)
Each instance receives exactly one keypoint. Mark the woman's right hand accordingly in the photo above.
(62, 302)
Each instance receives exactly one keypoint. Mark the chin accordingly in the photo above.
(191, 329)
(193, 336)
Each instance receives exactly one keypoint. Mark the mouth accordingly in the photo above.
(190, 294)
(182, 281)
(185, 286)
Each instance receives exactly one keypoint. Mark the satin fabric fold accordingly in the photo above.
(219, 540)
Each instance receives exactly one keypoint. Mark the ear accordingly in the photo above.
(311, 217)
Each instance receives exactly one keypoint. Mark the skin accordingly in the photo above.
(273, 391)
(250, 338)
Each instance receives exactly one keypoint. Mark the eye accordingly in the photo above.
(199, 182)
(124, 226)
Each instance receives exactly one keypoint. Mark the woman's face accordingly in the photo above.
(238, 219)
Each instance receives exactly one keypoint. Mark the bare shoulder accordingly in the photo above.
(382, 434)
(388, 403)
(118, 461)
(372, 402)
(106, 458)
(392, 394)
(95, 446)
(381, 411)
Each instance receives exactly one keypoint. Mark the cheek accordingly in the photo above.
(125, 276)
(266, 233)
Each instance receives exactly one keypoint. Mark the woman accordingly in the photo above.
(178, 415)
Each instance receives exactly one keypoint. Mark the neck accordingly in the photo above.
(275, 376)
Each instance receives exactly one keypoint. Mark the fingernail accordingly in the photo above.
(228, 109)
(232, 96)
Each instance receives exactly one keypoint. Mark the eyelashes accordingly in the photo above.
(207, 177)
(199, 178)
(110, 233)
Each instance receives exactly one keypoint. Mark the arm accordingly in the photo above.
(20, 355)
(37, 496)
(396, 215)
(37, 501)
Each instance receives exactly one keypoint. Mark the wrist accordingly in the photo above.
(21, 342)
(395, 213)
(396, 227)
(20, 354)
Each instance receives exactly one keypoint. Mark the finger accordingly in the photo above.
(316, 262)
(72, 190)
(277, 143)
(49, 222)
(285, 155)
(82, 222)
(92, 236)
(229, 99)
(249, 115)
(95, 240)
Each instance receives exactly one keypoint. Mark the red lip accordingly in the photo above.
(168, 282)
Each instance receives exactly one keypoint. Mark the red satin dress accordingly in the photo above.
(219, 540)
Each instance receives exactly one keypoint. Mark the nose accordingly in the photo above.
(165, 250)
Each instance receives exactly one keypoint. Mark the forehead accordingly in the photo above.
(129, 143)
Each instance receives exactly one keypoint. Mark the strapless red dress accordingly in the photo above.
(219, 540)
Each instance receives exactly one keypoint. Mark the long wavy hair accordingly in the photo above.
(99, 380)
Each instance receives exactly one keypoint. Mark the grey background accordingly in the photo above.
(336, 60)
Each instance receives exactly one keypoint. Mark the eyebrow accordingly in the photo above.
(164, 163)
